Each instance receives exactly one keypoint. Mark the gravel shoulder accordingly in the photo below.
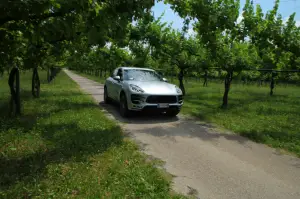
(205, 162)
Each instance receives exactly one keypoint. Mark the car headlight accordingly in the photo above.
(135, 88)
(178, 90)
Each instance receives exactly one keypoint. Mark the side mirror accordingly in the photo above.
(164, 79)
(118, 78)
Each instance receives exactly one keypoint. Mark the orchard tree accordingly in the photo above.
(214, 19)
(156, 44)
(277, 42)
(291, 43)
(235, 57)
(40, 24)
(185, 53)
(144, 38)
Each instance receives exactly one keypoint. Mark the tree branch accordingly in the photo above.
(34, 17)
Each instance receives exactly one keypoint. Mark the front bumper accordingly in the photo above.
(138, 102)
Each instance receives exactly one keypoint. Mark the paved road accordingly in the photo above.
(210, 164)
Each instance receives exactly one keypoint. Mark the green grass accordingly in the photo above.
(63, 146)
(273, 120)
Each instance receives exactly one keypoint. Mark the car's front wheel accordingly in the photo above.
(125, 112)
(107, 100)
(172, 112)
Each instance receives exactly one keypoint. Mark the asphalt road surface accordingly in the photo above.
(204, 162)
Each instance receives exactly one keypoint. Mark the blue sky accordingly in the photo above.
(286, 8)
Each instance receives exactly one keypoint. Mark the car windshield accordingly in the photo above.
(141, 75)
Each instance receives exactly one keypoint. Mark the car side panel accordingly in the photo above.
(113, 85)
(119, 88)
(114, 89)
(108, 84)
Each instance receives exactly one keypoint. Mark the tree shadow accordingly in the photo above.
(27, 120)
(205, 106)
(191, 129)
(278, 139)
(207, 133)
(65, 141)
(73, 144)
(8, 120)
(143, 117)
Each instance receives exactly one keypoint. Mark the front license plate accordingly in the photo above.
(163, 105)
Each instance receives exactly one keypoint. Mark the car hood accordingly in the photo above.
(156, 87)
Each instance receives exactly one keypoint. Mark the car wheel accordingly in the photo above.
(172, 113)
(107, 100)
(125, 112)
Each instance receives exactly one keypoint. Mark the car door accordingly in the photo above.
(110, 84)
(118, 84)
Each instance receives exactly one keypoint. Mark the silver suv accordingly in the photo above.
(137, 89)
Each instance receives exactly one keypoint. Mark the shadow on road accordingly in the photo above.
(192, 130)
(180, 127)
(137, 117)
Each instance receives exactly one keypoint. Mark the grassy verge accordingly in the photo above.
(64, 147)
(273, 120)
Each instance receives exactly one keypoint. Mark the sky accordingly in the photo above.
(286, 8)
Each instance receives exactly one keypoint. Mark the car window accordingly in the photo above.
(141, 75)
(120, 73)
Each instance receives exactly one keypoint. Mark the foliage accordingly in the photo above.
(98, 34)
(258, 41)
(237, 56)
(275, 39)
(30, 29)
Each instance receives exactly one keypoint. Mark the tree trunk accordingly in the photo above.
(101, 73)
(1, 72)
(205, 78)
(259, 82)
(272, 84)
(48, 75)
(52, 74)
(181, 85)
(14, 85)
(35, 83)
(227, 84)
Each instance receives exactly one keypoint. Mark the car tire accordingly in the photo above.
(172, 113)
(107, 100)
(124, 111)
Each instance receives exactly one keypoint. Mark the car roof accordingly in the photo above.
(129, 68)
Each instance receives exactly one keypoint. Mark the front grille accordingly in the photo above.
(156, 99)
(136, 99)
